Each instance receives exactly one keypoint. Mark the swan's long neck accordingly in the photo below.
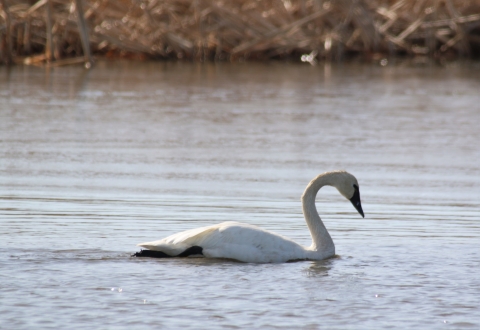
(322, 241)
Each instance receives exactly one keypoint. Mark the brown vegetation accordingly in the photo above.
(64, 31)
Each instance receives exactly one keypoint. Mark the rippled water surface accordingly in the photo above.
(94, 162)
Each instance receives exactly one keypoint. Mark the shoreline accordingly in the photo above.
(71, 32)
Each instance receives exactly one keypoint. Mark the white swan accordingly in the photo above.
(249, 243)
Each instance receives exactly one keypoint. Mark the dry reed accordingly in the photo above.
(68, 31)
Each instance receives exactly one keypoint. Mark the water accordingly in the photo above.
(94, 162)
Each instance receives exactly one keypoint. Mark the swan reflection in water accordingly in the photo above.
(249, 243)
(319, 268)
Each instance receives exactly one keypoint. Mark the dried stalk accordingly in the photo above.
(5, 38)
(82, 27)
(49, 47)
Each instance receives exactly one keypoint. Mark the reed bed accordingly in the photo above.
(70, 31)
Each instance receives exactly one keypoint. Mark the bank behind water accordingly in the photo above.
(70, 31)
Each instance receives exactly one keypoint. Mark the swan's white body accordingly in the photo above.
(249, 243)
(234, 240)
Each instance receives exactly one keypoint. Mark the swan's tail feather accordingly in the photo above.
(151, 254)
(191, 251)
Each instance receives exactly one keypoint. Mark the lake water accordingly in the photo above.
(94, 162)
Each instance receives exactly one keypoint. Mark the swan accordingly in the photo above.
(249, 243)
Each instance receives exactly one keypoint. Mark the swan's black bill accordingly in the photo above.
(356, 201)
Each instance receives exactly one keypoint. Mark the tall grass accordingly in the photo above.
(52, 30)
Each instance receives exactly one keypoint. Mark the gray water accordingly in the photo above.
(94, 162)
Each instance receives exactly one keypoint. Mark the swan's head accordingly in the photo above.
(348, 186)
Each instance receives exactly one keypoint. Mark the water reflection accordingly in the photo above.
(319, 268)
